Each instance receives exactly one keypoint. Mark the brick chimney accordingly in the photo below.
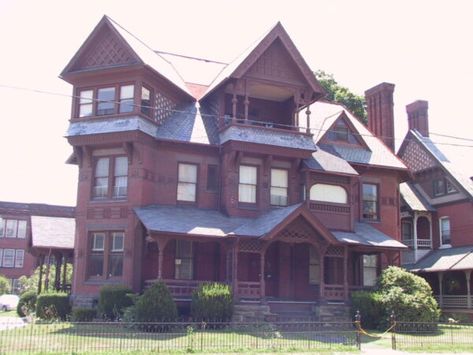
(418, 117)
(379, 101)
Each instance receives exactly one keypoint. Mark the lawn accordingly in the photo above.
(113, 338)
(8, 314)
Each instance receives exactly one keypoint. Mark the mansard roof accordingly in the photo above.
(128, 50)
(449, 155)
(372, 151)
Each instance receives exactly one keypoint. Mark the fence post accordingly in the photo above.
(392, 321)
(358, 329)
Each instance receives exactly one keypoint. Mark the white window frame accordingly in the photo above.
(279, 193)
(369, 269)
(12, 252)
(98, 234)
(187, 185)
(245, 182)
(19, 258)
(116, 235)
(442, 244)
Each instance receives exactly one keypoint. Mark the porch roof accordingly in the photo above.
(413, 199)
(367, 235)
(449, 259)
(53, 232)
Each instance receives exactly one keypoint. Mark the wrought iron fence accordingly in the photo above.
(94, 337)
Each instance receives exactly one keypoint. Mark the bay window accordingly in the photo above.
(103, 180)
(106, 255)
(279, 185)
(105, 101)
(187, 182)
(370, 206)
(247, 184)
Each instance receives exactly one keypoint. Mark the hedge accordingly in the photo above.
(54, 305)
(113, 300)
(212, 302)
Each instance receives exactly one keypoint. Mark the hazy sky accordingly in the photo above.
(424, 47)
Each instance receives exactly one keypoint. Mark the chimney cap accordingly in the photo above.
(382, 87)
(417, 105)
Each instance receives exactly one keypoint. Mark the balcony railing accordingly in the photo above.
(228, 121)
(421, 243)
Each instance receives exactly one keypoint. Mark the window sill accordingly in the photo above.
(370, 220)
(108, 200)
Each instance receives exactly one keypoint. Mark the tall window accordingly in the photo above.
(247, 184)
(314, 266)
(184, 260)
(212, 178)
(445, 230)
(279, 183)
(12, 228)
(106, 101)
(187, 182)
(103, 166)
(370, 202)
(106, 255)
(145, 101)
(328, 193)
(19, 258)
(406, 230)
(86, 103)
(127, 94)
(370, 269)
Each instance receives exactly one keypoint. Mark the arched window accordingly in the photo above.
(328, 193)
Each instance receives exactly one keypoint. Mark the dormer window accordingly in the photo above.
(340, 132)
(443, 186)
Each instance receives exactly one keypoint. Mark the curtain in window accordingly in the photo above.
(328, 193)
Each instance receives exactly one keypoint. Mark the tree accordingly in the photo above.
(4, 285)
(335, 92)
(30, 283)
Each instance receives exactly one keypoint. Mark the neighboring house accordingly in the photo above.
(437, 210)
(236, 173)
(31, 233)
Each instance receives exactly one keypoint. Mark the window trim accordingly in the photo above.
(445, 188)
(378, 212)
(106, 254)
(110, 195)
(442, 244)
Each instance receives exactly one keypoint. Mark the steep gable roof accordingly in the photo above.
(238, 67)
(119, 48)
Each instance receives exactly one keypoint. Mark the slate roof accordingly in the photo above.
(367, 235)
(201, 222)
(53, 232)
(452, 158)
(459, 258)
(413, 199)
(322, 160)
(324, 114)
(38, 209)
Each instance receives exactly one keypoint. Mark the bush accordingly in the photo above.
(54, 305)
(113, 299)
(4, 285)
(212, 302)
(26, 304)
(407, 295)
(370, 305)
(155, 305)
(83, 314)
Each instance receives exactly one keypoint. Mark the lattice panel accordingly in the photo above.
(335, 251)
(164, 107)
(249, 245)
(329, 208)
(298, 231)
(106, 50)
(416, 158)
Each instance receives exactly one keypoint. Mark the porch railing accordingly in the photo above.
(179, 288)
(249, 290)
(334, 292)
(421, 243)
(454, 301)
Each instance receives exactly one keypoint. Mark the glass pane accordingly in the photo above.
(126, 105)
(106, 97)
(95, 266)
(186, 192)
(212, 178)
(145, 101)
(2, 227)
(86, 103)
(115, 265)
(86, 96)
(1, 256)
(328, 193)
(127, 91)
(19, 258)
(101, 168)
(369, 276)
(248, 174)
(370, 260)
(117, 241)
(279, 177)
(11, 228)
(370, 192)
(247, 193)
(85, 110)
(121, 186)
(8, 257)
(278, 196)
(121, 166)
(98, 242)
(101, 187)
(21, 229)
(183, 249)
(188, 173)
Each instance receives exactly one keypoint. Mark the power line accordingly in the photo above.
(256, 122)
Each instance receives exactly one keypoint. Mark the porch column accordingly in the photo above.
(307, 112)
(57, 274)
(235, 272)
(468, 291)
(345, 273)
(161, 245)
(322, 273)
(64, 273)
(440, 276)
(261, 278)
(414, 232)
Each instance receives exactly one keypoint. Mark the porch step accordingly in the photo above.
(293, 311)
(339, 312)
(250, 312)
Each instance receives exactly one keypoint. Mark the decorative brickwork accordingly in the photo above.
(416, 158)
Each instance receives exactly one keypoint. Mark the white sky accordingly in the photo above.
(424, 47)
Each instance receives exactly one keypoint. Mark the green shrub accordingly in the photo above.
(54, 305)
(407, 295)
(26, 304)
(155, 305)
(212, 302)
(4, 285)
(370, 305)
(113, 299)
(80, 314)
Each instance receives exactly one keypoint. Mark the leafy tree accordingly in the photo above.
(4, 285)
(30, 283)
(340, 94)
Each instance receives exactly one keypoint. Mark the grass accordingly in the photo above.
(8, 314)
(67, 338)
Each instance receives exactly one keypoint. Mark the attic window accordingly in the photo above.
(340, 132)
(443, 186)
